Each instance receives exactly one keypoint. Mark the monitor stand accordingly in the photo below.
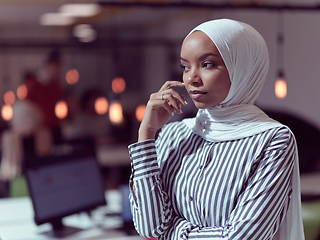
(59, 230)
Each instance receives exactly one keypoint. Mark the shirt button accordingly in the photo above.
(191, 198)
(200, 167)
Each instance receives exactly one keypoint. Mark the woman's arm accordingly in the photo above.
(150, 205)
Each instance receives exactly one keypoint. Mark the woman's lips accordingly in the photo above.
(195, 95)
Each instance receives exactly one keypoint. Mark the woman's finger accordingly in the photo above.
(156, 103)
(171, 84)
(174, 98)
(172, 101)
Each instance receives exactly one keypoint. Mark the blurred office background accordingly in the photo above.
(96, 68)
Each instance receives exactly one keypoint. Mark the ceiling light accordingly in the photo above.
(85, 33)
(281, 89)
(55, 19)
(80, 9)
(82, 30)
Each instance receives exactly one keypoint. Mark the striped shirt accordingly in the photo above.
(188, 188)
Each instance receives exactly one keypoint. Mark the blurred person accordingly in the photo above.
(231, 172)
(86, 122)
(26, 137)
(45, 91)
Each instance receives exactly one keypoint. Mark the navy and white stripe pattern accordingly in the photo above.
(188, 188)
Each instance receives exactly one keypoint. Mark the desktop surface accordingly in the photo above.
(17, 222)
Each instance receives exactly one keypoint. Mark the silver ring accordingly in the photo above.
(162, 96)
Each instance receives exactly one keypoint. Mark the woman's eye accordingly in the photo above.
(208, 65)
(185, 68)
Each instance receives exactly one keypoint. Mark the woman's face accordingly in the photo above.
(205, 75)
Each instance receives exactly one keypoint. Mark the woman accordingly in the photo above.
(229, 173)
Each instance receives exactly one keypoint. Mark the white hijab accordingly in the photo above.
(245, 55)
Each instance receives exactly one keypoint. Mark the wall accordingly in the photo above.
(146, 67)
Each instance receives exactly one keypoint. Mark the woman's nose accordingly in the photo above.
(193, 79)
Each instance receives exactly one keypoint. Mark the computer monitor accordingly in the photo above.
(63, 185)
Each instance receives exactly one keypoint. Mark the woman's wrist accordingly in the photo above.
(145, 135)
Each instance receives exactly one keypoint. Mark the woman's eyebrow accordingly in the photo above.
(182, 59)
(203, 56)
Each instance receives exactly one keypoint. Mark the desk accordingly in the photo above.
(16, 222)
(113, 155)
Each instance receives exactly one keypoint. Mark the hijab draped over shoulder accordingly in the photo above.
(245, 55)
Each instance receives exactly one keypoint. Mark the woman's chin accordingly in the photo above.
(200, 105)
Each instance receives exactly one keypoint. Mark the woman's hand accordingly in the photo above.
(160, 108)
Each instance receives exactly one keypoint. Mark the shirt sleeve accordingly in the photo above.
(262, 204)
(150, 205)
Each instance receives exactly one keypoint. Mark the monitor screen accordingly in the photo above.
(61, 186)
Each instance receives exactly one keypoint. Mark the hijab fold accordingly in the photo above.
(245, 55)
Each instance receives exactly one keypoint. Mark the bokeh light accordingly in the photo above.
(101, 105)
(281, 88)
(61, 109)
(72, 76)
(85, 33)
(118, 85)
(9, 97)
(140, 110)
(22, 92)
(7, 112)
(115, 113)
